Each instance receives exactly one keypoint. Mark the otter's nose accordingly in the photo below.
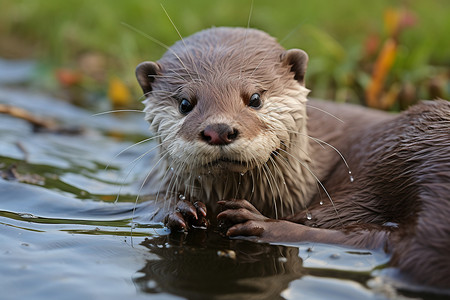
(219, 134)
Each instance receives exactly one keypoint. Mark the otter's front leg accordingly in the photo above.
(241, 218)
(187, 215)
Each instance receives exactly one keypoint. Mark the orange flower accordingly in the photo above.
(381, 68)
(68, 77)
(118, 93)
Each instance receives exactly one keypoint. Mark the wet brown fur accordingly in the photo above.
(400, 197)
(401, 167)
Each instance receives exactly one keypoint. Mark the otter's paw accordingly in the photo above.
(240, 218)
(187, 215)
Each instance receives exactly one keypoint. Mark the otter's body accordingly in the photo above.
(229, 107)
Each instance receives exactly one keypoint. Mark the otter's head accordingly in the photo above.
(225, 100)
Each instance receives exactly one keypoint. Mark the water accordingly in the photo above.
(64, 237)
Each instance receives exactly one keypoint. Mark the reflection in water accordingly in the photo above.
(204, 265)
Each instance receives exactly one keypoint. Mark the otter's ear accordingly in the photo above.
(297, 59)
(145, 74)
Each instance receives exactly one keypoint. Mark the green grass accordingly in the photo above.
(332, 32)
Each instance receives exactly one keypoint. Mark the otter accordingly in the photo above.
(241, 148)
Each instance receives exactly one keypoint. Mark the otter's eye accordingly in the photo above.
(185, 106)
(255, 101)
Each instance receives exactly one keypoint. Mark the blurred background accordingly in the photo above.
(384, 54)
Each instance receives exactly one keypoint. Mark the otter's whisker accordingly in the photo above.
(257, 67)
(166, 94)
(275, 183)
(168, 168)
(271, 189)
(159, 43)
(317, 179)
(287, 36)
(281, 176)
(174, 184)
(253, 162)
(287, 164)
(176, 76)
(182, 40)
(238, 186)
(128, 148)
(134, 162)
(138, 196)
(171, 189)
(318, 141)
(324, 111)
(245, 36)
(253, 185)
(322, 143)
(116, 111)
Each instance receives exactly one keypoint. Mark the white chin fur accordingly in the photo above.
(240, 156)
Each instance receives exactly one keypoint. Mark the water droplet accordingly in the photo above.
(335, 256)
(242, 174)
(152, 285)
(199, 177)
(227, 254)
(182, 197)
(391, 224)
(351, 176)
(282, 259)
(171, 169)
(308, 216)
(321, 202)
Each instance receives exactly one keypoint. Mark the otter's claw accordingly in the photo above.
(186, 216)
(175, 221)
